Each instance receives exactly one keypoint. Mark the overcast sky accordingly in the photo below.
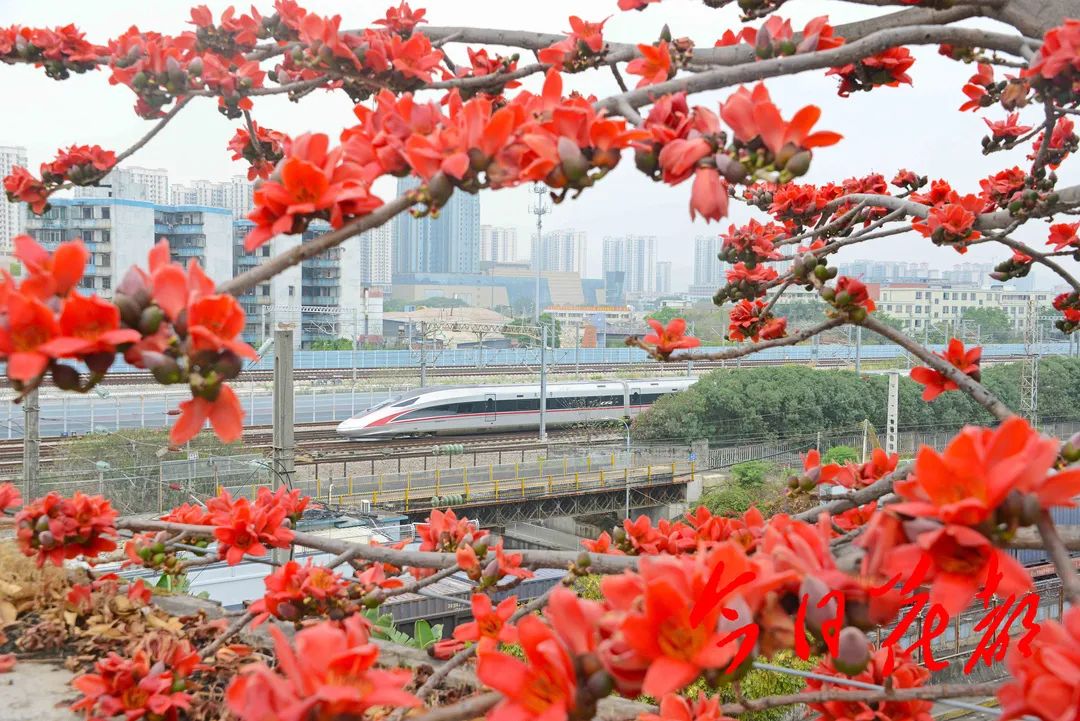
(911, 126)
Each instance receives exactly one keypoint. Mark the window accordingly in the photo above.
(106, 282)
(292, 290)
(945, 296)
(105, 236)
(918, 309)
(918, 295)
(917, 322)
(105, 213)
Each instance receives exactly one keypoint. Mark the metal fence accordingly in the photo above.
(496, 482)
(370, 359)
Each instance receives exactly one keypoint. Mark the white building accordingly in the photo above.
(920, 306)
(119, 233)
(236, 194)
(635, 256)
(132, 183)
(663, 276)
(498, 244)
(562, 251)
(12, 215)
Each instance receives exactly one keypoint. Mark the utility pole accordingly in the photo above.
(539, 210)
(283, 450)
(891, 419)
(858, 350)
(577, 347)
(865, 437)
(1029, 371)
(423, 358)
(355, 336)
(543, 382)
(31, 445)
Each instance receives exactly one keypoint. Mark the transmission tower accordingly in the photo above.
(1029, 372)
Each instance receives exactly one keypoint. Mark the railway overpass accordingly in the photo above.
(499, 495)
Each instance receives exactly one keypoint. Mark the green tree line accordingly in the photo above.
(731, 403)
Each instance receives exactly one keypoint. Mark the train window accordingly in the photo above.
(406, 402)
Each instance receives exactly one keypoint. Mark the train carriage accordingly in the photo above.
(457, 410)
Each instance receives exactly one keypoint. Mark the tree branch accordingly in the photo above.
(742, 350)
(848, 53)
(1038, 258)
(978, 392)
(879, 488)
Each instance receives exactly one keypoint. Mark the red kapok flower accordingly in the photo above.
(979, 468)
(1059, 53)
(674, 707)
(7, 662)
(967, 361)
(1008, 128)
(901, 672)
(50, 274)
(1063, 235)
(224, 412)
(329, 674)
(54, 528)
(488, 621)
(856, 292)
(654, 65)
(245, 528)
(89, 324)
(887, 68)
(9, 496)
(1044, 683)
(709, 195)
(543, 689)
(670, 338)
(30, 326)
(22, 186)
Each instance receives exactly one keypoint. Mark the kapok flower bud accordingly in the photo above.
(799, 163)
(574, 163)
(150, 320)
(812, 591)
(65, 377)
(853, 652)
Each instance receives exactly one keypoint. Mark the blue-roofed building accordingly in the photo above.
(119, 233)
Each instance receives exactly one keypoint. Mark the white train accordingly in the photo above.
(455, 410)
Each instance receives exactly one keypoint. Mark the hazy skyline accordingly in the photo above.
(884, 125)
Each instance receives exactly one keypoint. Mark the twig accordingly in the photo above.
(231, 631)
(1038, 258)
(254, 137)
(743, 350)
(978, 392)
(1059, 555)
(874, 491)
(628, 112)
(618, 77)
(165, 120)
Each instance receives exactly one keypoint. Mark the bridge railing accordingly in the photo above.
(469, 485)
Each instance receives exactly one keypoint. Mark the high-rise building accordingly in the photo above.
(498, 244)
(635, 256)
(614, 258)
(366, 262)
(708, 268)
(12, 215)
(449, 243)
(133, 183)
(118, 233)
(234, 194)
(663, 276)
(562, 251)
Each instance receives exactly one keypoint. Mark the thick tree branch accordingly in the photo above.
(848, 53)
(956, 690)
(1038, 258)
(978, 392)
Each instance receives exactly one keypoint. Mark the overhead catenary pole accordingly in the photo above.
(355, 337)
(543, 382)
(423, 358)
(539, 210)
(858, 350)
(892, 420)
(283, 458)
(31, 445)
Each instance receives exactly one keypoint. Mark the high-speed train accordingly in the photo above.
(457, 410)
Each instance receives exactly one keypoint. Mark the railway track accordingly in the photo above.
(319, 443)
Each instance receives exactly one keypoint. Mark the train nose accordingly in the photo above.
(351, 427)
